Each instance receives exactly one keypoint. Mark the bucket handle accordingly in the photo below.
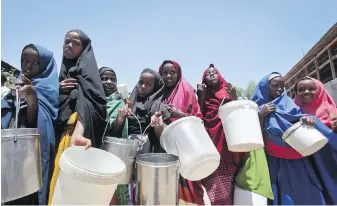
(17, 110)
(188, 109)
(107, 124)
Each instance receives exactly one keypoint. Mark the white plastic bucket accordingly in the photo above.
(244, 197)
(241, 124)
(188, 139)
(123, 89)
(87, 177)
(305, 139)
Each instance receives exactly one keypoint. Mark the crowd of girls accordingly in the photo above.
(75, 107)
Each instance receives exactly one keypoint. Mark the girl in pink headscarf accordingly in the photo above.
(180, 100)
(313, 99)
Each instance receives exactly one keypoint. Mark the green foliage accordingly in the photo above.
(247, 92)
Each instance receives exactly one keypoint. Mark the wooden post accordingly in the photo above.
(317, 69)
(332, 66)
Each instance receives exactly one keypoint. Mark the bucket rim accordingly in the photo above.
(89, 172)
(169, 127)
(140, 159)
(292, 129)
(120, 141)
(21, 132)
(238, 102)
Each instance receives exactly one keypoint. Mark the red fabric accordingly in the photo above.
(322, 101)
(281, 152)
(183, 96)
(220, 184)
(212, 122)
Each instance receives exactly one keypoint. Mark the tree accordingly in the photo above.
(247, 92)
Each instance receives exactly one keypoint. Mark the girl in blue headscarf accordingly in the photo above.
(293, 179)
(39, 90)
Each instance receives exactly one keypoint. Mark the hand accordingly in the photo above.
(156, 120)
(124, 112)
(79, 140)
(68, 84)
(333, 118)
(174, 111)
(231, 91)
(267, 109)
(308, 120)
(25, 88)
(201, 91)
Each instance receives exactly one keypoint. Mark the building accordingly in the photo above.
(320, 63)
(10, 72)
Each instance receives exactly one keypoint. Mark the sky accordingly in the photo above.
(245, 40)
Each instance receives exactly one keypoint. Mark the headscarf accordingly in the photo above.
(46, 86)
(213, 99)
(144, 110)
(88, 99)
(212, 121)
(322, 101)
(275, 124)
(114, 103)
(182, 96)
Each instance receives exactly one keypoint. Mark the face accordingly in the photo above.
(109, 81)
(211, 78)
(169, 75)
(30, 63)
(72, 47)
(306, 91)
(276, 86)
(146, 85)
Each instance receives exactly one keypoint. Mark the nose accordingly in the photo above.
(142, 86)
(108, 81)
(306, 91)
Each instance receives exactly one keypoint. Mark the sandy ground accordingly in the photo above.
(206, 200)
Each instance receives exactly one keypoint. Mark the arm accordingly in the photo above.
(32, 107)
(118, 125)
(79, 129)
(158, 130)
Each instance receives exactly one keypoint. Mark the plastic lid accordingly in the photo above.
(238, 103)
(93, 165)
(174, 124)
(290, 130)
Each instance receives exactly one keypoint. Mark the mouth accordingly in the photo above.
(307, 97)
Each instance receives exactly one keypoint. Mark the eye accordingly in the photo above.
(36, 63)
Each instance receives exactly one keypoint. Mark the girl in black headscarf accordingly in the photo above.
(82, 112)
(145, 103)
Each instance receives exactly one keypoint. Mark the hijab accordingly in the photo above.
(88, 99)
(276, 123)
(114, 103)
(212, 121)
(322, 101)
(182, 96)
(46, 86)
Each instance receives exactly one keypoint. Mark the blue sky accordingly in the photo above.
(244, 39)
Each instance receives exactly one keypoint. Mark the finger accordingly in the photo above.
(69, 87)
(70, 84)
(88, 145)
(25, 80)
(70, 80)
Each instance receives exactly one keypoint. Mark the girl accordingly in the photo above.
(313, 99)
(146, 103)
(82, 100)
(115, 102)
(293, 179)
(212, 93)
(38, 87)
(180, 100)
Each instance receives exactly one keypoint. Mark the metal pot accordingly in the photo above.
(21, 169)
(126, 150)
(157, 179)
